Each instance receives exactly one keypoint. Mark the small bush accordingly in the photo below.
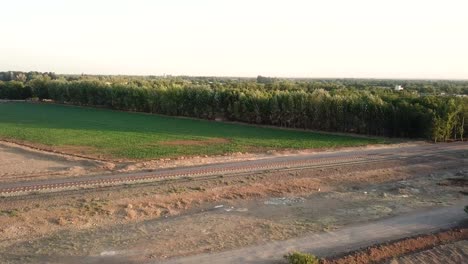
(10, 213)
(301, 258)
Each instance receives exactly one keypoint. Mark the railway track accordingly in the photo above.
(273, 164)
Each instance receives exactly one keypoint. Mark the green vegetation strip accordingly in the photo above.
(114, 134)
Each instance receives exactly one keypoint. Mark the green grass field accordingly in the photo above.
(114, 134)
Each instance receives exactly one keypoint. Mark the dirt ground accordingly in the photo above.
(160, 220)
(403, 251)
(21, 163)
(453, 253)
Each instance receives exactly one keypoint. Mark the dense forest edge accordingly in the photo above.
(431, 109)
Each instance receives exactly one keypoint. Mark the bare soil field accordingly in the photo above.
(157, 221)
(22, 163)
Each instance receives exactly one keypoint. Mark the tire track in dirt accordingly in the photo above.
(341, 241)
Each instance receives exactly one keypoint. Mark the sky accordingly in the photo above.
(291, 38)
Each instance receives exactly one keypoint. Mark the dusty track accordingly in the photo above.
(292, 162)
(345, 240)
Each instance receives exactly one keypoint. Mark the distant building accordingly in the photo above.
(398, 88)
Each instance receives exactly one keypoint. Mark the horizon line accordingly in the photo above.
(246, 77)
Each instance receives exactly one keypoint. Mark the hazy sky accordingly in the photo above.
(298, 38)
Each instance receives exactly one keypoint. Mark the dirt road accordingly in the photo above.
(344, 240)
(273, 163)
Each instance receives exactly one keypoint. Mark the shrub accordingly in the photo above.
(301, 258)
(10, 213)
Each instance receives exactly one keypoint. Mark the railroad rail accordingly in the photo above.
(273, 164)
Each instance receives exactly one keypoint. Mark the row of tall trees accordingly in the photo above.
(14, 90)
(364, 111)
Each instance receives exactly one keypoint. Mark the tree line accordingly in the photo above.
(331, 107)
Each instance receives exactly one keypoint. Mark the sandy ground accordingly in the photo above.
(168, 219)
(21, 163)
(348, 238)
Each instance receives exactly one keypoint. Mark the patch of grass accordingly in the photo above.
(177, 190)
(301, 258)
(10, 213)
(92, 207)
(115, 134)
(198, 188)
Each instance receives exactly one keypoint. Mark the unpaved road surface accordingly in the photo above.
(273, 163)
(344, 240)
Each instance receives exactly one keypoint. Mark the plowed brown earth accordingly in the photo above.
(379, 253)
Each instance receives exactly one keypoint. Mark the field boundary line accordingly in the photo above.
(31, 146)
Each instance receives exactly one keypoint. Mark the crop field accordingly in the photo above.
(123, 135)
